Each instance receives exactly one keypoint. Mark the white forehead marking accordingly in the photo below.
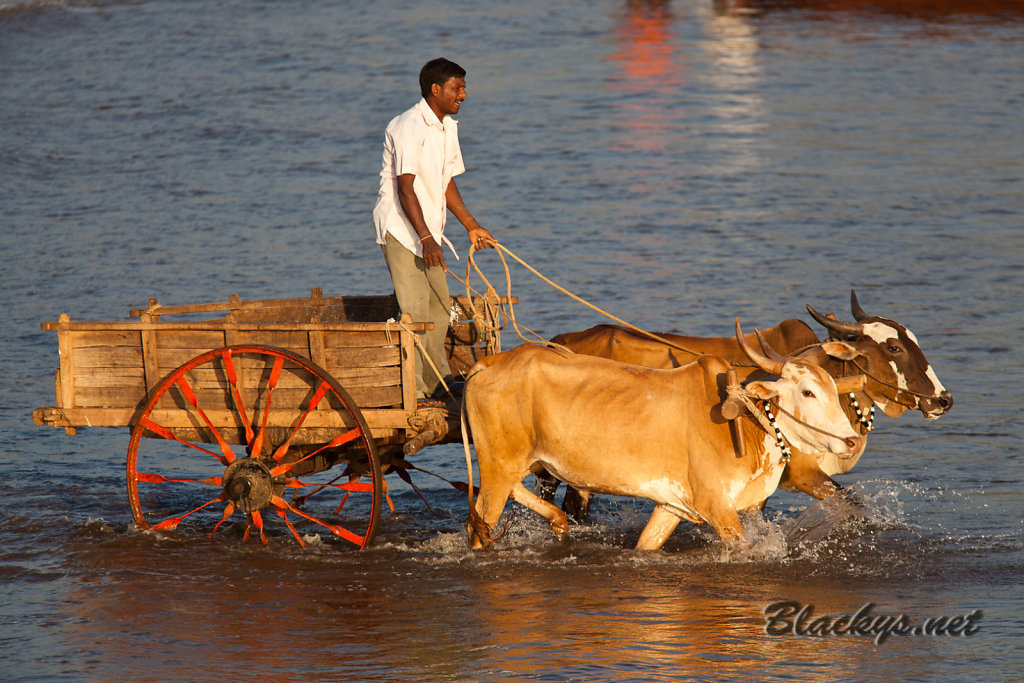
(880, 333)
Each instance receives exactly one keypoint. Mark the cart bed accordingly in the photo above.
(107, 369)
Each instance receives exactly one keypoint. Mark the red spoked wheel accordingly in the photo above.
(241, 431)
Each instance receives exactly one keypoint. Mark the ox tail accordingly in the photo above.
(475, 524)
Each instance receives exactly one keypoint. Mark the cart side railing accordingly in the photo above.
(108, 368)
(474, 333)
(315, 308)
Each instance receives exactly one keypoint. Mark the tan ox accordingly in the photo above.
(899, 378)
(616, 342)
(617, 428)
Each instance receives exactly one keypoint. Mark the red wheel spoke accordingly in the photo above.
(283, 514)
(253, 396)
(387, 496)
(342, 439)
(359, 487)
(229, 367)
(151, 478)
(229, 510)
(275, 374)
(318, 396)
(168, 434)
(172, 522)
(339, 531)
(190, 396)
(255, 520)
(296, 484)
(353, 485)
(339, 440)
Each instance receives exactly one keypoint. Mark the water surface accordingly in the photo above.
(677, 163)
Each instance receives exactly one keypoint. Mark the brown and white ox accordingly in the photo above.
(899, 378)
(610, 427)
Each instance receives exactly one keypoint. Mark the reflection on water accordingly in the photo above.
(646, 48)
(945, 9)
(650, 73)
(576, 611)
(735, 77)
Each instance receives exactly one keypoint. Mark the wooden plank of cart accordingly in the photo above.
(247, 413)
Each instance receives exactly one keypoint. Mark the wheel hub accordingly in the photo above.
(248, 484)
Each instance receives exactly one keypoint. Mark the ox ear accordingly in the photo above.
(848, 385)
(840, 350)
(761, 390)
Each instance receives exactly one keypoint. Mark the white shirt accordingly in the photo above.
(417, 142)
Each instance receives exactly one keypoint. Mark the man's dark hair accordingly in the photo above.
(438, 71)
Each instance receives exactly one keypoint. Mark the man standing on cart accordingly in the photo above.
(417, 188)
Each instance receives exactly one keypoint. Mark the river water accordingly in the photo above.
(676, 163)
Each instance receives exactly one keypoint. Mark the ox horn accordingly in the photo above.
(858, 312)
(772, 364)
(774, 355)
(836, 326)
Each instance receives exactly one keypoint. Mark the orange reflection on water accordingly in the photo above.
(648, 67)
(645, 54)
(698, 622)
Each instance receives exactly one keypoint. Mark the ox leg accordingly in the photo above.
(659, 527)
(559, 523)
(726, 522)
(546, 485)
(814, 482)
(577, 504)
(489, 504)
(808, 479)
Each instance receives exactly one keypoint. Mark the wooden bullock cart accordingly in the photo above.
(240, 409)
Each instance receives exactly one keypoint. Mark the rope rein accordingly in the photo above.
(793, 417)
(423, 350)
(891, 386)
(765, 418)
(510, 314)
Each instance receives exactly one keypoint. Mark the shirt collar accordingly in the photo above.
(430, 117)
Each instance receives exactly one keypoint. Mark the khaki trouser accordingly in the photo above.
(422, 292)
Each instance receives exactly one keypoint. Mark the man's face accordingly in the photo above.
(449, 96)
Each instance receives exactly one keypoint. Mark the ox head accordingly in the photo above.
(811, 417)
(899, 376)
